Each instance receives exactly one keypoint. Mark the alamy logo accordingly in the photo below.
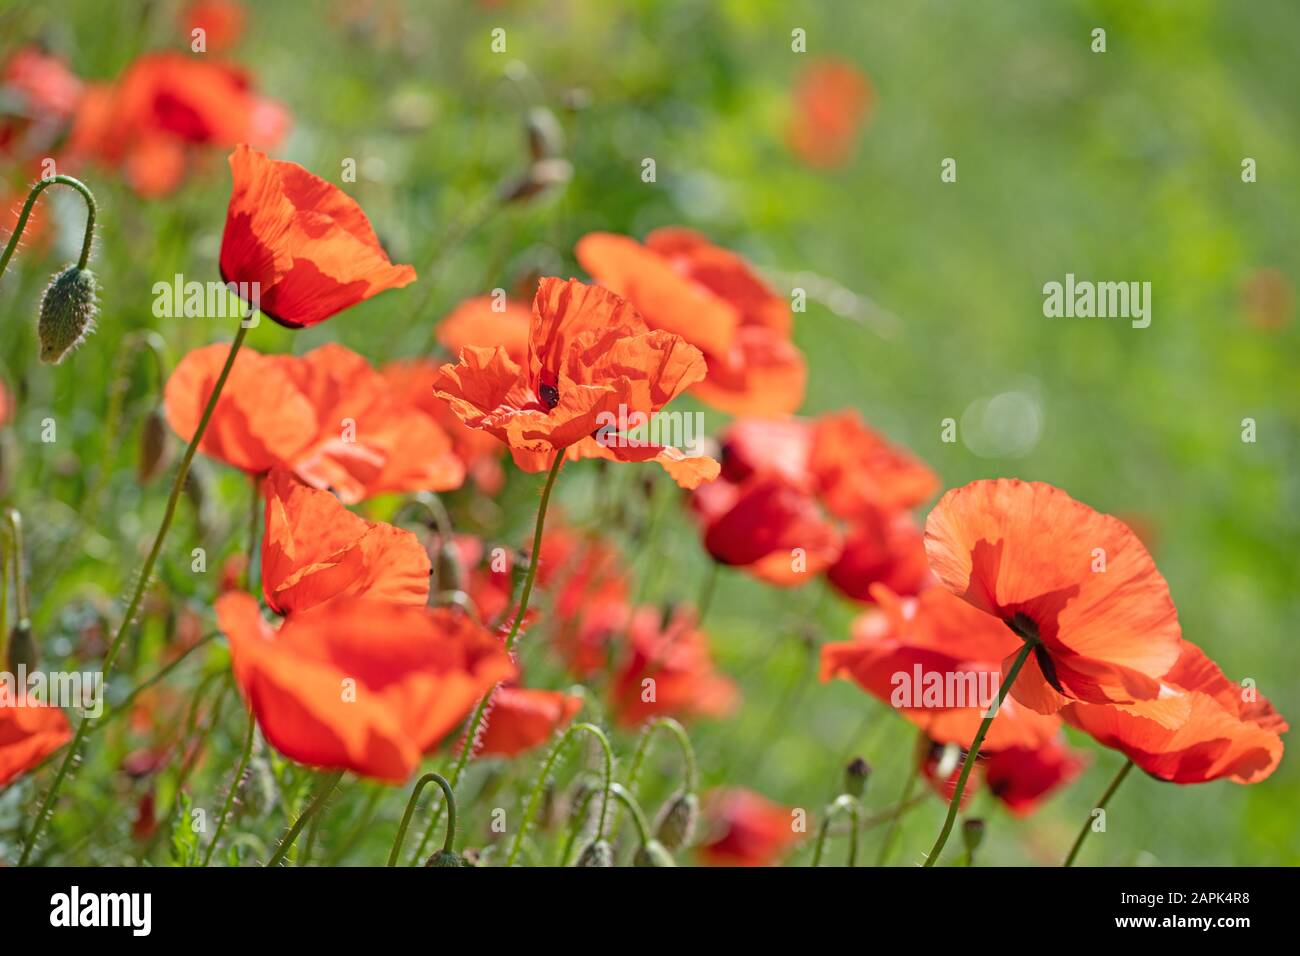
(1103, 300)
(133, 910)
(919, 688)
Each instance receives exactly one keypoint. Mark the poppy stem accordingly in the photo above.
(621, 794)
(178, 485)
(254, 512)
(535, 798)
(15, 521)
(707, 587)
(23, 216)
(675, 728)
(844, 803)
(955, 804)
(449, 840)
(325, 788)
(234, 788)
(887, 845)
(1101, 805)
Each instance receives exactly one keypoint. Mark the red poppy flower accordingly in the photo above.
(521, 719)
(881, 549)
(858, 472)
(163, 106)
(1023, 777)
(591, 363)
(304, 241)
(315, 550)
(745, 829)
(668, 669)
(478, 322)
(358, 684)
(778, 447)
(29, 732)
(38, 93)
(778, 534)
(1077, 582)
(222, 22)
(709, 296)
(937, 661)
(327, 416)
(832, 101)
(478, 451)
(1203, 727)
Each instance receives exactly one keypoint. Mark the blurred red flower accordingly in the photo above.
(314, 550)
(29, 732)
(1078, 583)
(327, 416)
(478, 322)
(743, 828)
(522, 718)
(711, 297)
(1023, 777)
(163, 106)
(833, 100)
(222, 23)
(1202, 727)
(38, 95)
(591, 362)
(304, 241)
(667, 668)
(358, 684)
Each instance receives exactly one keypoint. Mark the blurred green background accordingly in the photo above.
(1124, 165)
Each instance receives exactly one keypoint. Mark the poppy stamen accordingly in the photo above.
(549, 394)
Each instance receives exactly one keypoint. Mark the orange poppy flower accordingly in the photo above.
(833, 99)
(327, 416)
(358, 684)
(937, 661)
(778, 534)
(744, 828)
(522, 718)
(1077, 583)
(668, 669)
(315, 550)
(28, 734)
(709, 296)
(1215, 731)
(304, 241)
(591, 362)
(479, 452)
(477, 322)
(162, 106)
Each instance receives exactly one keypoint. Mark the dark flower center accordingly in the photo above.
(549, 394)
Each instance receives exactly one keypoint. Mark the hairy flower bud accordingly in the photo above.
(153, 445)
(445, 858)
(67, 313)
(598, 853)
(653, 853)
(675, 824)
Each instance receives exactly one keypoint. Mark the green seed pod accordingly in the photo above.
(67, 313)
(599, 853)
(675, 824)
(653, 853)
(22, 648)
(445, 858)
(972, 833)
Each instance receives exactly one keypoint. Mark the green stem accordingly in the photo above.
(449, 840)
(20, 571)
(642, 751)
(1101, 805)
(707, 587)
(177, 486)
(318, 799)
(844, 803)
(621, 794)
(125, 706)
(254, 512)
(887, 845)
(234, 788)
(23, 216)
(974, 752)
(536, 796)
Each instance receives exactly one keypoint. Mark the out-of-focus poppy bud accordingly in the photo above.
(67, 313)
(153, 448)
(856, 775)
(677, 818)
(597, 853)
(653, 853)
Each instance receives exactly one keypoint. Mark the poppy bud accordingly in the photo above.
(23, 651)
(542, 175)
(972, 834)
(676, 822)
(153, 444)
(446, 858)
(653, 853)
(449, 576)
(856, 775)
(67, 313)
(597, 853)
(545, 136)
